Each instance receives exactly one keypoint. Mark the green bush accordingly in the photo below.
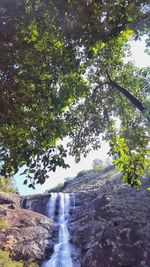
(31, 263)
(98, 165)
(3, 224)
(6, 261)
(6, 185)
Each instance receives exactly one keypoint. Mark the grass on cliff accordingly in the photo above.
(6, 185)
(6, 261)
(3, 224)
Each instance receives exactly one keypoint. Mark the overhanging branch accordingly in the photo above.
(137, 103)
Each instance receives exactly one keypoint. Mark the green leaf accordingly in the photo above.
(25, 182)
(32, 171)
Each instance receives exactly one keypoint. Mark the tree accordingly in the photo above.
(131, 163)
(57, 80)
(36, 66)
(98, 165)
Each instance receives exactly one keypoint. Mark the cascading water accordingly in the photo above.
(61, 256)
(51, 206)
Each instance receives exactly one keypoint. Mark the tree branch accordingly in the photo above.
(137, 103)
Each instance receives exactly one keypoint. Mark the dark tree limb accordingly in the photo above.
(138, 104)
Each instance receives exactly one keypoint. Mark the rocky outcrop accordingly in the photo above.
(110, 223)
(37, 203)
(87, 181)
(25, 233)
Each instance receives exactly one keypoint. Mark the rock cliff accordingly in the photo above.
(109, 222)
(22, 231)
(112, 227)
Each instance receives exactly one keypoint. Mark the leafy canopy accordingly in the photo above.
(130, 163)
(62, 73)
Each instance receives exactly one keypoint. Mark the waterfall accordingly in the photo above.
(51, 206)
(61, 256)
(28, 204)
(73, 204)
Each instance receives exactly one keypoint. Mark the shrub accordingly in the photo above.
(6, 261)
(31, 263)
(3, 224)
(98, 165)
(6, 185)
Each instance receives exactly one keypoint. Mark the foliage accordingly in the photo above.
(6, 261)
(147, 170)
(131, 163)
(3, 224)
(57, 58)
(31, 263)
(6, 185)
(98, 165)
(32, 107)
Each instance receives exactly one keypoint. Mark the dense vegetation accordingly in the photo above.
(62, 74)
(6, 261)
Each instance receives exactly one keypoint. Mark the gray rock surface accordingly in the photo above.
(25, 233)
(110, 223)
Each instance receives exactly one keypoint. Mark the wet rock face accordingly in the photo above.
(36, 203)
(25, 233)
(111, 226)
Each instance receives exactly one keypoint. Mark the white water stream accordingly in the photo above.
(61, 256)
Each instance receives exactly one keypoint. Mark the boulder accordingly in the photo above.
(25, 233)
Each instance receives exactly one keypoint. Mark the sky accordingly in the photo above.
(60, 174)
(141, 60)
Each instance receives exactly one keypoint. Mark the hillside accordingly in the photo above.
(109, 222)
